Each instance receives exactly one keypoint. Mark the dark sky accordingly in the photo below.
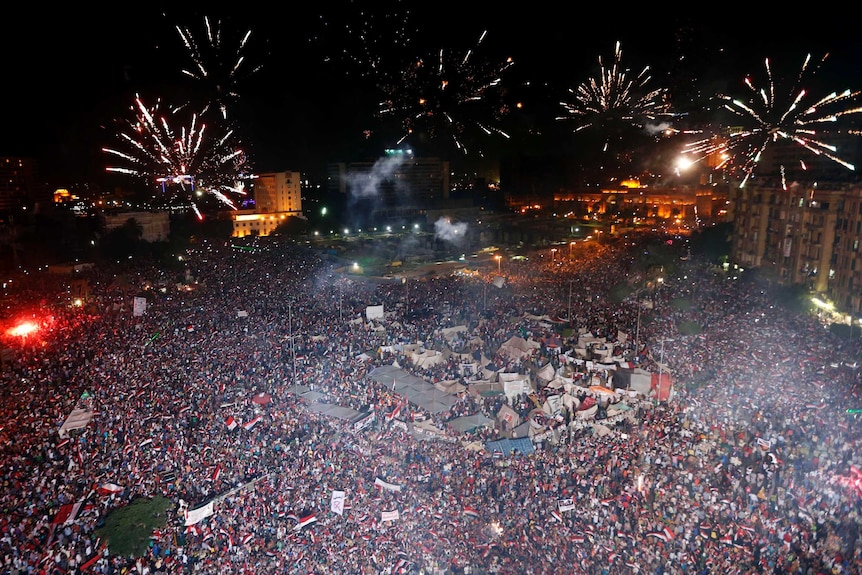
(69, 73)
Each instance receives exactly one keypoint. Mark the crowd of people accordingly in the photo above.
(751, 466)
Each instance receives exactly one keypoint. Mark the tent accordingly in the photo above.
(547, 372)
(417, 390)
(508, 418)
(470, 422)
(518, 348)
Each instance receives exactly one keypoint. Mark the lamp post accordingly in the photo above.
(553, 255)
(638, 327)
(661, 363)
(570, 302)
(290, 335)
(499, 262)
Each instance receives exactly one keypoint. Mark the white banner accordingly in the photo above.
(566, 505)
(139, 306)
(388, 486)
(337, 502)
(389, 516)
(374, 312)
(196, 515)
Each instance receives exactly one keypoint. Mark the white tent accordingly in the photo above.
(547, 372)
(515, 384)
(518, 348)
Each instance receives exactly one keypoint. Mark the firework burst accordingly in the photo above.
(218, 64)
(615, 99)
(195, 159)
(770, 119)
(366, 37)
(447, 95)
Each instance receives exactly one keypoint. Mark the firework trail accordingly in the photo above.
(364, 38)
(447, 95)
(195, 158)
(615, 99)
(217, 65)
(770, 119)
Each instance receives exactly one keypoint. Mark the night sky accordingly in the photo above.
(308, 93)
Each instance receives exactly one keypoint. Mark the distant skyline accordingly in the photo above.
(70, 74)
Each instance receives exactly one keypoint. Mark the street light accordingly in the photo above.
(292, 342)
(553, 255)
(661, 363)
(499, 262)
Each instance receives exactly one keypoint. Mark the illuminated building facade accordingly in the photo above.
(808, 236)
(155, 225)
(277, 196)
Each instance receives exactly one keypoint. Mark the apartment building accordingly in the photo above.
(807, 235)
(277, 196)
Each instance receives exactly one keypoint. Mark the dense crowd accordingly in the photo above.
(752, 466)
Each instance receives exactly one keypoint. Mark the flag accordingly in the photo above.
(471, 512)
(250, 424)
(216, 473)
(336, 504)
(557, 516)
(231, 423)
(386, 485)
(109, 489)
(306, 520)
(668, 533)
(67, 513)
(395, 412)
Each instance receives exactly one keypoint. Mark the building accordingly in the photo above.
(277, 196)
(394, 189)
(20, 186)
(805, 235)
(155, 225)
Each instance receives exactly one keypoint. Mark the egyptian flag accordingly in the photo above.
(248, 425)
(307, 519)
(557, 516)
(231, 423)
(67, 513)
(216, 472)
(469, 511)
(109, 489)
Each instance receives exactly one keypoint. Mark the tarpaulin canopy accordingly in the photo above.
(471, 422)
(418, 391)
(523, 445)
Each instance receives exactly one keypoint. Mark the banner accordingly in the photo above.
(374, 312)
(388, 486)
(196, 515)
(336, 504)
(389, 516)
(139, 306)
(565, 505)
